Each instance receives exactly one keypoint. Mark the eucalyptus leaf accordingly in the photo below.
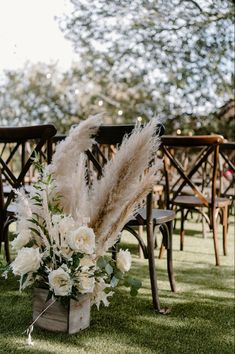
(134, 292)
(108, 269)
(134, 283)
(114, 282)
(101, 262)
(119, 274)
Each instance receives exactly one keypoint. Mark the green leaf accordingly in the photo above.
(35, 231)
(114, 282)
(118, 274)
(32, 220)
(101, 263)
(49, 295)
(76, 260)
(24, 278)
(134, 292)
(134, 283)
(108, 269)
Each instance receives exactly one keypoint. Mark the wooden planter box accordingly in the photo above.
(58, 318)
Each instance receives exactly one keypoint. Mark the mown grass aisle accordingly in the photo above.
(201, 320)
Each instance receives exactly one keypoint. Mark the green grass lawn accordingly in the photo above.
(201, 320)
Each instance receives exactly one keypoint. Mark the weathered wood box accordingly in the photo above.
(71, 319)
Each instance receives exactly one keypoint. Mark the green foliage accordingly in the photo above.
(201, 318)
(116, 277)
(166, 57)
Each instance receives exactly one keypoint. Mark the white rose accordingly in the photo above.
(86, 283)
(123, 260)
(21, 240)
(27, 260)
(87, 262)
(82, 240)
(66, 224)
(62, 226)
(60, 282)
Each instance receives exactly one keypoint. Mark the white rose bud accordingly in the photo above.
(82, 240)
(60, 282)
(27, 260)
(123, 260)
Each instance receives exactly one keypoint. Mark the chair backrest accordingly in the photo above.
(227, 167)
(18, 148)
(108, 138)
(200, 171)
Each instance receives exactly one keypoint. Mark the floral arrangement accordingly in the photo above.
(58, 252)
(65, 226)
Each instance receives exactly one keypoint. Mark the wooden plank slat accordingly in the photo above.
(58, 318)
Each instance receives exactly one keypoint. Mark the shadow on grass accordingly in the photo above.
(205, 327)
(198, 323)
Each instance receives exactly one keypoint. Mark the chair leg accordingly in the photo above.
(6, 244)
(225, 230)
(203, 227)
(141, 254)
(152, 269)
(161, 252)
(215, 237)
(182, 230)
(167, 236)
(115, 248)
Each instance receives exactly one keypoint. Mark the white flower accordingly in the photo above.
(86, 283)
(64, 224)
(21, 240)
(87, 262)
(27, 260)
(99, 295)
(60, 282)
(123, 260)
(82, 240)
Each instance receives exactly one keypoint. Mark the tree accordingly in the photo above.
(36, 94)
(41, 94)
(155, 57)
(136, 59)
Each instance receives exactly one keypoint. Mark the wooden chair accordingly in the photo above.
(108, 137)
(204, 153)
(15, 165)
(227, 167)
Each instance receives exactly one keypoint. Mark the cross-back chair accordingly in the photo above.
(19, 146)
(108, 137)
(200, 176)
(227, 166)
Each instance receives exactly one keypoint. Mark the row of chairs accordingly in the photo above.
(109, 136)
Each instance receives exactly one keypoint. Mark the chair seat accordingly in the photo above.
(186, 201)
(159, 216)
